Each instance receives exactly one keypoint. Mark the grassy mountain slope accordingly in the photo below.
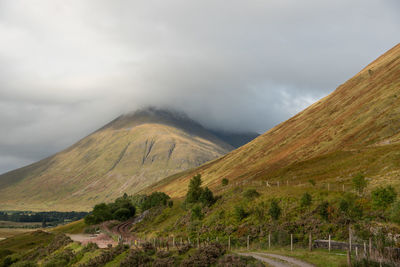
(359, 121)
(128, 154)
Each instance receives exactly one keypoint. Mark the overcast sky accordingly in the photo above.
(69, 67)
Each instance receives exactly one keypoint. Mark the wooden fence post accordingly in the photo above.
(229, 243)
(291, 242)
(365, 249)
(348, 258)
(248, 242)
(269, 240)
(310, 242)
(350, 239)
(329, 243)
(370, 246)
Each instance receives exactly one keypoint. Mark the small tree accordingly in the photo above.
(207, 197)
(194, 190)
(359, 183)
(225, 182)
(274, 210)
(306, 200)
(382, 197)
(197, 213)
(322, 210)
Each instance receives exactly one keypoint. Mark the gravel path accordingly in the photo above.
(277, 260)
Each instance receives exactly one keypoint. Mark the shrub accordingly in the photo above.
(225, 182)
(251, 194)
(101, 212)
(306, 200)
(205, 256)
(382, 197)
(322, 210)
(349, 206)
(240, 213)
(312, 182)
(136, 258)
(156, 199)
(207, 197)
(274, 210)
(122, 214)
(359, 183)
(197, 213)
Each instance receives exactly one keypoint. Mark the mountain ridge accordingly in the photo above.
(125, 155)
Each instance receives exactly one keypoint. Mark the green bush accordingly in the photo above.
(322, 210)
(122, 214)
(306, 200)
(382, 197)
(101, 212)
(312, 182)
(240, 213)
(225, 182)
(251, 194)
(207, 197)
(274, 210)
(156, 199)
(197, 213)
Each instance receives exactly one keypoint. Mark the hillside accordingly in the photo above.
(128, 154)
(355, 128)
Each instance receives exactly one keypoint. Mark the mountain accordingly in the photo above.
(354, 129)
(131, 152)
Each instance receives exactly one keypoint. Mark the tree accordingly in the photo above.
(274, 210)
(207, 197)
(194, 190)
(225, 182)
(122, 214)
(156, 199)
(359, 183)
(382, 197)
(306, 200)
(197, 213)
(101, 212)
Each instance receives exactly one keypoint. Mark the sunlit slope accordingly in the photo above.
(359, 122)
(127, 155)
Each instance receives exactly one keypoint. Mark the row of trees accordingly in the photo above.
(48, 216)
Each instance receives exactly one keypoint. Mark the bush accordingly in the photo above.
(251, 194)
(274, 210)
(197, 213)
(156, 199)
(350, 207)
(240, 213)
(136, 258)
(206, 256)
(322, 210)
(382, 197)
(225, 182)
(207, 197)
(122, 214)
(306, 200)
(312, 182)
(101, 212)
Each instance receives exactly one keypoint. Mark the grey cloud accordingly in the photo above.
(68, 67)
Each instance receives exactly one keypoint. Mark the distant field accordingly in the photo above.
(10, 232)
(9, 224)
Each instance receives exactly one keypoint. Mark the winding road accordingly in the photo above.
(277, 260)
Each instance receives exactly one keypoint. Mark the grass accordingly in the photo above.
(26, 241)
(10, 232)
(76, 227)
